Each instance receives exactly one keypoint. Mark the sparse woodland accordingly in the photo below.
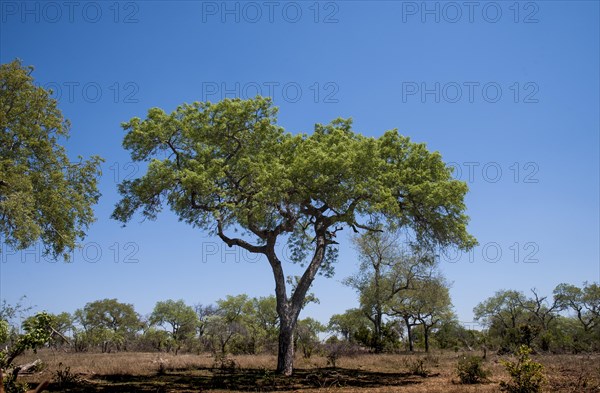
(231, 345)
(228, 166)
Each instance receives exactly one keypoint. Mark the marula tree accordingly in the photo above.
(228, 164)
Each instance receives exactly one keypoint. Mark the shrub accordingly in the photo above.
(417, 367)
(432, 360)
(12, 386)
(162, 366)
(526, 375)
(64, 377)
(335, 350)
(470, 370)
(224, 364)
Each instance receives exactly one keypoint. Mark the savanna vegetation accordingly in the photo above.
(232, 345)
(227, 167)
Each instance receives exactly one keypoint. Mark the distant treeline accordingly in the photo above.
(568, 322)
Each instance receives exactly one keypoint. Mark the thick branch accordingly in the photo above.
(239, 242)
(280, 289)
(366, 228)
(309, 275)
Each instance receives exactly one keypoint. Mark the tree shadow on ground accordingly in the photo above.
(255, 380)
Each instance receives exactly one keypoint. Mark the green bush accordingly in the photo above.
(12, 386)
(470, 370)
(526, 375)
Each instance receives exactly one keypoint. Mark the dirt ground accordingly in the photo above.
(153, 372)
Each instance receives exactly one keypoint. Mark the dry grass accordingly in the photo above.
(139, 372)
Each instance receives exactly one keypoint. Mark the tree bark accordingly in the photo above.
(289, 309)
(409, 334)
(378, 331)
(285, 355)
(378, 313)
(426, 337)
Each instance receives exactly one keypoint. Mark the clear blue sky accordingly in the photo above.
(487, 85)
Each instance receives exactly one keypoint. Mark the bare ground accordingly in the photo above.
(152, 372)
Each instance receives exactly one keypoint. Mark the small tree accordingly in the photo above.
(37, 332)
(470, 370)
(307, 336)
(155, 339)
(431, 305)
(526, 375)
(502, 314)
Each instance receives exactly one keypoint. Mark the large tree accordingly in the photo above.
(43, 194)
(228, 164)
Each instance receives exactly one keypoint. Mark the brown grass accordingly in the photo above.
(139, 372)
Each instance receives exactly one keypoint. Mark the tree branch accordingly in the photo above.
(309, 275)
(238, 242)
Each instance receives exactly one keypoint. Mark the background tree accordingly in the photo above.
(452, 335)
(43, 195)
(349, 325)
(514, 319)
(204, 312)
(540, 308)
(267, 319)
(181, 319)
(307, 335)
(385, 271)
(156, 339)
(108, 323)
(227, 328)
(229, 164)
(404, 306)
(584, 302)
(542, 318)
(431, 305)
(502, 314)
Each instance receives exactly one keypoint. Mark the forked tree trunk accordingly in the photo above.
(288, 309)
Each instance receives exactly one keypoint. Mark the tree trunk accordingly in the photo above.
(378, 312)
(285, 354)
(409, 335)
(378, 331)
(289, 309)
(426, 337)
